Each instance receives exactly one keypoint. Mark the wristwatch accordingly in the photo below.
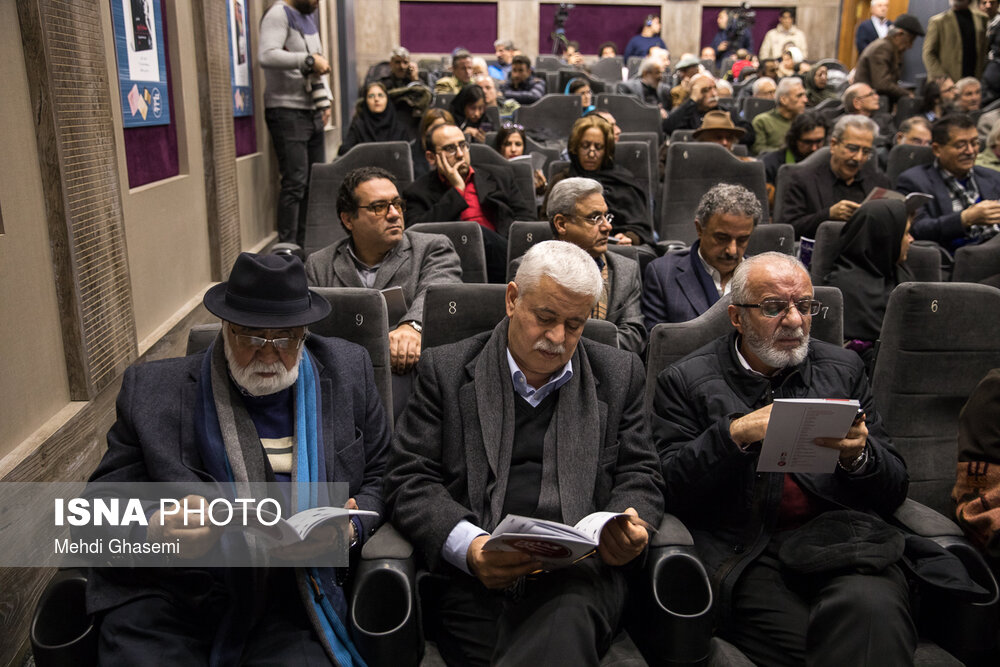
(310, 63)
(416, 326)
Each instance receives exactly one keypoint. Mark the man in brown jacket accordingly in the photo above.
(882, 61)
(955, 44)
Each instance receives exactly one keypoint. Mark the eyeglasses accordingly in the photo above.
(866, 151)
(452, 149)
(595, 219)
(776, 307)
(587, 147)
(965, 145)
(381, 207)
(256, 342)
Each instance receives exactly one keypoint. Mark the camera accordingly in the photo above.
(317, 92)
(740, 18)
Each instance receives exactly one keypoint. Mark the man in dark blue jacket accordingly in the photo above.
(681, 286)
(711, 413)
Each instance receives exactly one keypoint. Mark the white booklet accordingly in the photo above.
(794, 425)
(555, 544)
(297, 527)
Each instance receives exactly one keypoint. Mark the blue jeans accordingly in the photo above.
(298, 143)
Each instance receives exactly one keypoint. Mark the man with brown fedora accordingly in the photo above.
(265, 403)
(717, 128)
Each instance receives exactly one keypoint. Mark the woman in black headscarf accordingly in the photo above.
(469, 110)
(374, 120)
(873, 247)
(591, 155)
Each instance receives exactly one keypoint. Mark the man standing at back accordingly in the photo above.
(874, 28)
(881, 64)
(955, 45)
(648, 37)
(296, 104)
(377, 254)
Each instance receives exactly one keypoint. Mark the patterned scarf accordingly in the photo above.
(964, 196)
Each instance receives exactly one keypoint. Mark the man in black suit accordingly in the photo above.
(681, 286)
(874, 28)
(833, 189)
(247, 410)
(454, 190)
(530, 420)
(965, 209)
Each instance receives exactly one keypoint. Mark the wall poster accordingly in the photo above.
(142, 66)
(239, 54)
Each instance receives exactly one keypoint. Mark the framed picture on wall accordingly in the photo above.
(239, 54)
(142, 66)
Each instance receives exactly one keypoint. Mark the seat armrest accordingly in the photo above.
(671, 532)
(922, 520)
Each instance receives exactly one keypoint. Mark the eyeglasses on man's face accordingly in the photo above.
(452, 149)
(595, 219)
(776, 307)
(285, 344)
(381, 207)
(853, 149)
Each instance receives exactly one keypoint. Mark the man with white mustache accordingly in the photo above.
(711, 413)
(527, 419)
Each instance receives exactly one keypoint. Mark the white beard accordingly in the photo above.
(255, 385)
(764, 348)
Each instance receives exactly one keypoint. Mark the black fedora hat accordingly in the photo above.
(267, 292)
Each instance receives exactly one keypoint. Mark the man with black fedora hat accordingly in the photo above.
(265, 403)
(881, 63)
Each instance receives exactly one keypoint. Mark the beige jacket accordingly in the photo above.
(943, 45)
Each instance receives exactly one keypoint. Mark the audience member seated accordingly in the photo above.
(914, 131)
(505, 107)
(862, 99)
(591, 155)
(479, 67)
(965, 209)
(789, 63)
(717, 127)
(768, 539)
(873, 247)
(486, 194)
(876, 27)
(680, 286)
(778, 38)
(580, 86)
(769, 68)
(817, 90)
(939, 98)
(688, 116)
(231, 415)
(504, 59)
(990, 157)
(606, 115)
(771, 126)
(806, 135)
(578, 214)
(763, 88)
(645, 87)
(418, 148)
(572, 56)
(832, 189)
(725, 89)
(374, 120)
(528, 419)
(881, 64)
(521, 85)
(407, 92)
(469, 110)
(510, 142)
(968, 96)
(461, 74)
(377, 254)
(607, 50)
(648, 37)
(687, 67)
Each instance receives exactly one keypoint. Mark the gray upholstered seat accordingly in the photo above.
(974, 263)
(523, 235)
(754, 106)
(904, 157)
(555, 113)
(772, 237)
(634, 156)
(630, 113)
(608, 69)
(467, 237)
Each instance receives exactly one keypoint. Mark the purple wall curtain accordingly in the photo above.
(439, 27)
(592, 25)
(246, 135)
(151, 152)
(766, 19)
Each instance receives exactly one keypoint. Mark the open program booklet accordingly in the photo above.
(297, 527)
(555, 544)
(795, 423)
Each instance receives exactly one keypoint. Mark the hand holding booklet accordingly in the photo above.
(297, 527)
(793, 427)
(554, 544)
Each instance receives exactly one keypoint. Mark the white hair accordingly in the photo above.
(564, 263)
(741, 290)
(758, 83)
(785, 86)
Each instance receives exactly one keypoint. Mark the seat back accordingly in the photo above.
(443, 100)
(524, 179)
(771, 238)
(454, 311)
(906, 107)
(555, 166)
(938, 340)
(548, 63)
(924, 262)
(323, 227)
(567, 74)
(903, 157)
(467, 237)
(521, 236)
(357, 314)
(493, 116)
(608, 69)
(634, 156)
(754, 106)
(601, 331)
(678, 136)
(555, 113)
(630, 113)
(974, 263)
(671, 341)
(692, 170)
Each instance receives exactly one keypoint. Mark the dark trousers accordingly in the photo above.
(850, 619)
(179, 630)
(298, 140)
(495, 247)
(567, 617)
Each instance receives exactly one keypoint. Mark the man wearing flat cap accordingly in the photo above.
(264, 403)
(881, 63)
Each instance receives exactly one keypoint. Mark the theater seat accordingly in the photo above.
(467, 237)
(924, 261)
(772, 237)
(521, 236)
